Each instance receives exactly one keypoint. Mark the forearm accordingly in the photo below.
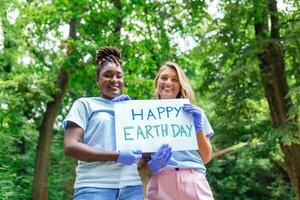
(80, 151)
(74, 147)
(204, 147)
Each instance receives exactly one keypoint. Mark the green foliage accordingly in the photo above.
(62, 169)
(222, 68)
(246, 175)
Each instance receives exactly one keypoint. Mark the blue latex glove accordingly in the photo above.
(160, 159)
(129, 157)
(197, 115)
(122, 97)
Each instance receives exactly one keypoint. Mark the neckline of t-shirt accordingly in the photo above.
(103, 99)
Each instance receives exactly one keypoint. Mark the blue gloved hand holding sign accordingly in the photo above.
(160, 159)
(129, 157)
(197, 115)
(122, 97)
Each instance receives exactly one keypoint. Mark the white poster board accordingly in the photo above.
(147, 124)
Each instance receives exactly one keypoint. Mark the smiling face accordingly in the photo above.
(110, 80)
(168, 85)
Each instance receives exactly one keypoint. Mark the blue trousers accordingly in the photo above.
(125, 193)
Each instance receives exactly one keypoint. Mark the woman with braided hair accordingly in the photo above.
(101, 172)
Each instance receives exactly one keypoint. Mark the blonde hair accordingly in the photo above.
(186, 91)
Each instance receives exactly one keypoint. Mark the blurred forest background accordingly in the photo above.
(241, 56)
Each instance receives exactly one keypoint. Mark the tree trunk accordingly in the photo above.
(272, 70)
(39, 186)
(43, 149)
(118, 20)
(8, 44)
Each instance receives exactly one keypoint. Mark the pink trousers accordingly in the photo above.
(180, 184)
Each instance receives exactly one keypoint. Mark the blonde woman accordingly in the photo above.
(182, 176)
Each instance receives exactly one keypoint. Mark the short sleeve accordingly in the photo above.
(77, 114)
(207, 129)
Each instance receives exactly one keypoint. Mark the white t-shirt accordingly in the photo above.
(95, 115)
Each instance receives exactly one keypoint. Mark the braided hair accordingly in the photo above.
(107, 54)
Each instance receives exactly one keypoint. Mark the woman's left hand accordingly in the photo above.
(197, 115)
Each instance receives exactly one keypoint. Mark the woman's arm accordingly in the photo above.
(74, 147)
(204, 147)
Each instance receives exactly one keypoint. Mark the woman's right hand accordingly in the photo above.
(129, 157)
(160, 159)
